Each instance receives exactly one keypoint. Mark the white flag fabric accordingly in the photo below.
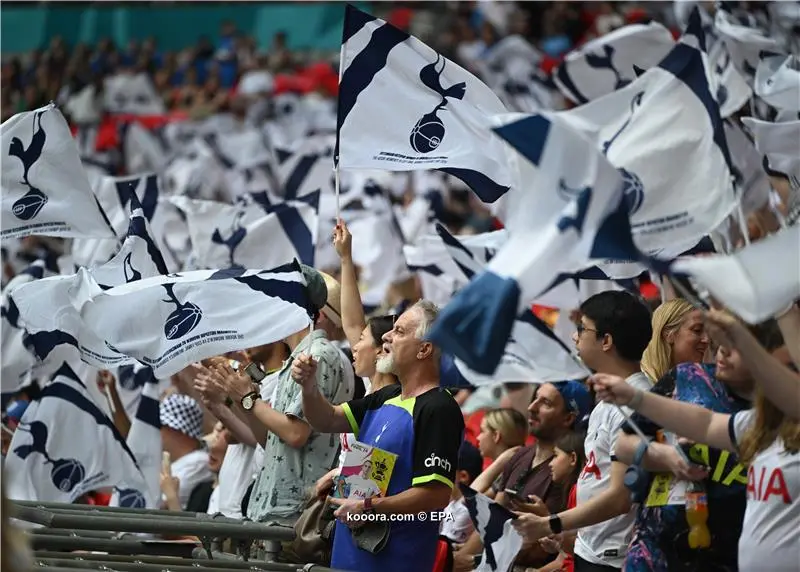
(778, 82)
(533, 352)
(779, 143)
(169, 322)
(667, 117)
(65, 447)
(756, 282)
(247, 235)
(441, 117)
(752, 181)
(144, 441)
(49, 309)
(492, 521)
(612, 61)
(18, 363)
(746, 43)
(511, 68)
(577, 214)
(45, 190)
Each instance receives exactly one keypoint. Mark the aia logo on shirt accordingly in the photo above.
(763, 483)
(591, 467)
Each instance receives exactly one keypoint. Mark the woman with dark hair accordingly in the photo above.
(365, 337)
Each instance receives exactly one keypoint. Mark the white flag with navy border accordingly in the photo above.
(169, 322)
(49, 309)
(44, 188)
(667, 117)
(65, 447)
(492, 521)
(440, 119)
(758, 281)
(612, 61)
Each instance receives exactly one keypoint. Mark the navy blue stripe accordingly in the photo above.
(569, 85)
(299, 174)
(362, 70)
(431, 269)
(11, 313)
(127, 189)
(482, 185)
(60, 390)
(528, 317)
(292, 292)
(149, 412)
(528, 136)
(686, 64)
(45, 342)
(297, 232)
(354, 20)
(452, 242)
(138, 228)
(34, 270)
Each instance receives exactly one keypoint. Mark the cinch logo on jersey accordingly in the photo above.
(436, 461)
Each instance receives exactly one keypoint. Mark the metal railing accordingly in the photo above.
(69, 538)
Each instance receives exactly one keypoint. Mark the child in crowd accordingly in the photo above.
(565, 467)
(457, 525)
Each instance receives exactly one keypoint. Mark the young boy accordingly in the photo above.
(457, 525)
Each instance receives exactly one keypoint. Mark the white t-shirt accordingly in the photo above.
(235, 475)
(772, 517)
(605, 543)
(191, 470)
(457, 526)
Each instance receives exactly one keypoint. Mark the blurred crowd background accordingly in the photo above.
(205, 76)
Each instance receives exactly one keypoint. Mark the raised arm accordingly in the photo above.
(320, 414)
(353, 321)
(685, 419)
(780, 385)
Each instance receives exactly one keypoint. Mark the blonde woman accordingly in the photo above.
(503, 431)
(766, 438)
(679, 336)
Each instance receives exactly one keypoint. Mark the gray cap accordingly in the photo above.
(315, 286)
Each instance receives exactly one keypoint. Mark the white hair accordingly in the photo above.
(385, 364)
(429, 312)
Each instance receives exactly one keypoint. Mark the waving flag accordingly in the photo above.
(247, 235)
(667, 112)
(756, 282)
(492, 521)
(511, 68)
(576, 214)
(612, 61)
(778, 82)
(144, 441)
(65, 447)
(746, 43)
(44, 188)
(440, 122)
(749, 174)
(49, 309)
(169, 322)
(18, 363)
(778, 143)
(533, 351)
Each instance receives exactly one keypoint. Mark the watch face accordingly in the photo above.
(247, 402)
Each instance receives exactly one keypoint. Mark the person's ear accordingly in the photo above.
(570, 419)
(462, 476)
(425, 350)
(607, 343)
(573, 460)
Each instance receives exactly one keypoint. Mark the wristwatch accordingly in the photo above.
(368, 508)
(555, 524)
(249, 400)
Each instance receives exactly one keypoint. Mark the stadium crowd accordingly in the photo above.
(716, 489)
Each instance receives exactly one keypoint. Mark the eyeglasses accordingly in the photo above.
(581, 328)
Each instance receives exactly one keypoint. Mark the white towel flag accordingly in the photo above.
(44, 188)
(440, 114)
(65, 447)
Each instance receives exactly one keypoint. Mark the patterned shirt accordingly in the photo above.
(660, 541)
(288, 473)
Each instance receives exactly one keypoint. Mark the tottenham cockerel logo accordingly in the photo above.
(66, 474)
(34, 200)
(429, 131)
(183, 319)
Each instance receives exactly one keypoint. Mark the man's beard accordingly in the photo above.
(385, 364)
